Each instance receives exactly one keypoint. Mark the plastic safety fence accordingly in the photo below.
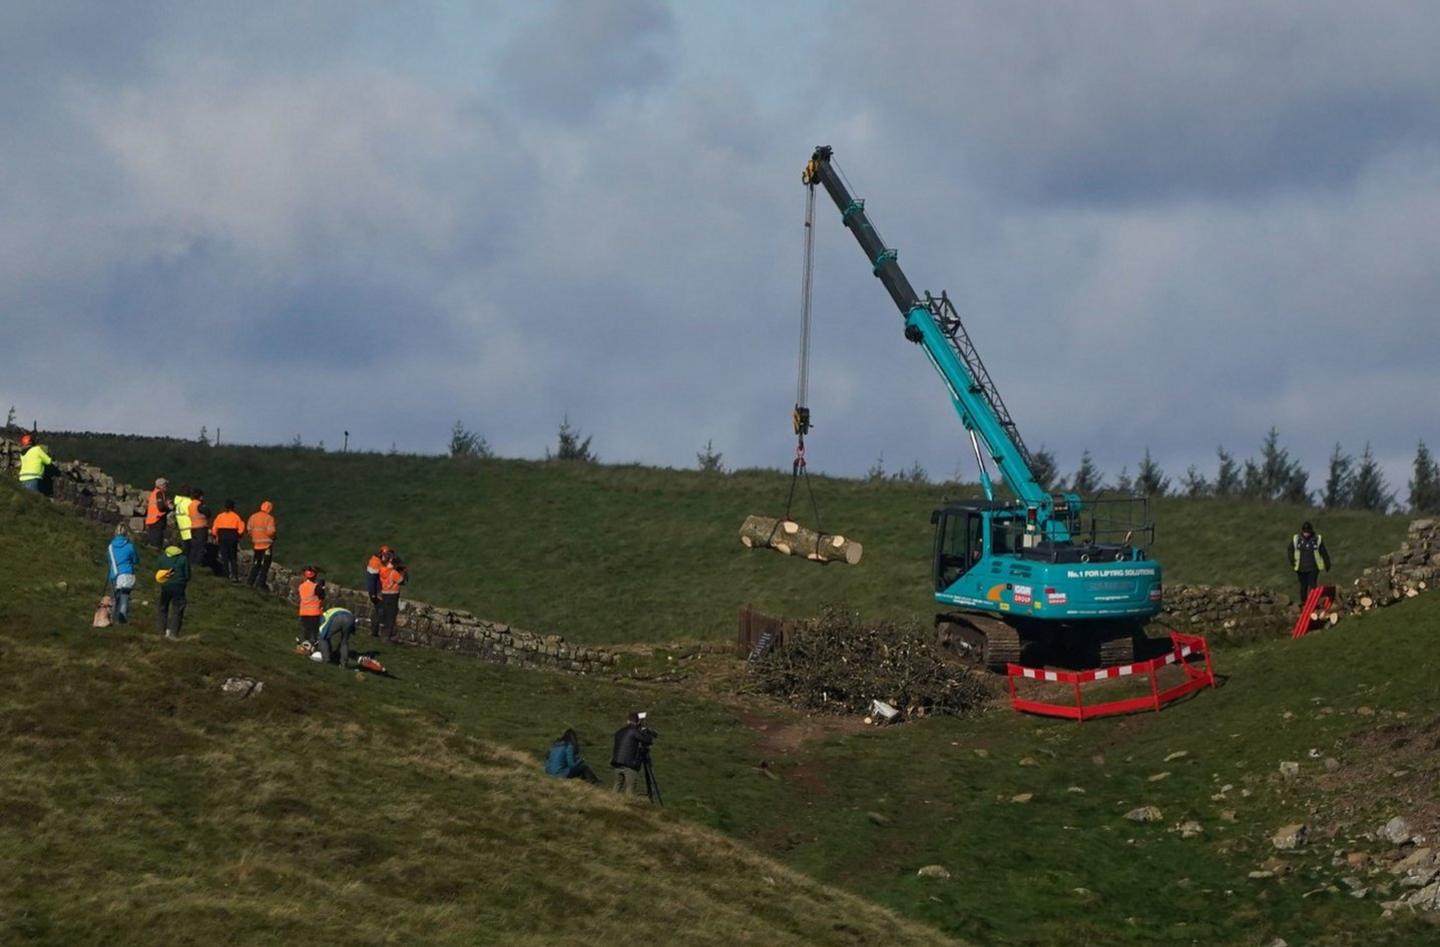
(1189, 654)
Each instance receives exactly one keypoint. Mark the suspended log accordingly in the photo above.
(792, 539)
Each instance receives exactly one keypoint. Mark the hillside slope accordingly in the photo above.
(141, 805)
(1026, 814)
(558, 547)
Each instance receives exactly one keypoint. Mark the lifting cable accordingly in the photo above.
(800, 417)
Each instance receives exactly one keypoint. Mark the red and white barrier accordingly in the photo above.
(1190, 653)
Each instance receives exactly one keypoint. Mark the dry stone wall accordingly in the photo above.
(100, 497)
(1402, 574)
(1225, 611)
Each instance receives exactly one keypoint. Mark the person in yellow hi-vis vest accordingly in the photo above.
(182, 502)
(1308, 557)
(34, 463)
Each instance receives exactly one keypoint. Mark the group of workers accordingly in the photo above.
(210, 538)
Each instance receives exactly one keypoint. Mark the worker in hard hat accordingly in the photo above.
(332, 642)
(312, 603)
(34, 464)
(226, 531)
(157, 504)
(261, 527)
(393, 574)
(372, 587)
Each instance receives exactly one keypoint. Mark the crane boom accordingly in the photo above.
(933, 324)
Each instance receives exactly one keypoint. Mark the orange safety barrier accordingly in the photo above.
(1189, 653)
(1320, 600)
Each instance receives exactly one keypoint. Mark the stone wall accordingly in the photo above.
(1402, 574)
(1225, 611)
(98, 496)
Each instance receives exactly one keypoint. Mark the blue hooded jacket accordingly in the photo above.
(561, 760)
(120, 558)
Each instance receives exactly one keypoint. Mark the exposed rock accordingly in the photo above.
(1157, 777)
(933, 871)
(1396, 831)
(1177, 755)
(1191, 829)
(1291, 837)
(1289, 769)
(242, 687)
(1357, 859)
(1331, 764)
(1145, 814)
(1028, 761)
(879, 818)
(1022, 797)
(1075, 789)
(1419, 859)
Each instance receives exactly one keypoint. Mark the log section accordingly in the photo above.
(792, 539)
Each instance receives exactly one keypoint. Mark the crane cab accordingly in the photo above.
(999, 558)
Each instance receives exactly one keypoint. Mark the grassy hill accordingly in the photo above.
(149, 802)
(140, 805)
(611, 554)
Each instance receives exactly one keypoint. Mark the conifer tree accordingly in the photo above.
(1341, 480)
(1227, 477)
(1087, 479)
(1150, 479)
(1369, 491)
(1425, 483)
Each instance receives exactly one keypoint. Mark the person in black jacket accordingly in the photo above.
(1308, 557)
(632, 749)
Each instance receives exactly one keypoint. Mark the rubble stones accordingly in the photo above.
(933, 871)
(1291, 837)
(1289, 769)
(1145, 814)
(242, 687)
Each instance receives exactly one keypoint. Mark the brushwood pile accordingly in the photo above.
(837, 663)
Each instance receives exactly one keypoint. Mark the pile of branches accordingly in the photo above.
(837, 663)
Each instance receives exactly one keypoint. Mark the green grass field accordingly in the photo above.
(149, 803)
(605, 554)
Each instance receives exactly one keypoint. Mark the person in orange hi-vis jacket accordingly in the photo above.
(261, 527)
(392, 576)
(372, 586)
(227, 530)
(312, 603)
(157, 505)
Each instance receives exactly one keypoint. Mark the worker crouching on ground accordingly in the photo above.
(227, 530)
(332, 643)
(393, 574)
(120, 572)
(1308, 557)
(261, 527)
(312, 604)
(34, 464)
(157, 504)
(632, 747)
(173, 574)
(564, 759)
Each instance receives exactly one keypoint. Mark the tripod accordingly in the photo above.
(652, 787)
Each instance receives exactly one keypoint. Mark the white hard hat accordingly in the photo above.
(316, 656)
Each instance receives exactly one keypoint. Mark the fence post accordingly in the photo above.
(1079, 704)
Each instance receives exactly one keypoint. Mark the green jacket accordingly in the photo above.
(179, 567)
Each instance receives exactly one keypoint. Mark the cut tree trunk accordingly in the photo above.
(792, 539)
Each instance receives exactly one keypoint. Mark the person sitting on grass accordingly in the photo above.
(564, 759)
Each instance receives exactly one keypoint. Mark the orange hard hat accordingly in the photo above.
(310, 572)
(386, 549)
(25, 439)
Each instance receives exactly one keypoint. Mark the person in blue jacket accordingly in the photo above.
(120, 562)
(564, 759)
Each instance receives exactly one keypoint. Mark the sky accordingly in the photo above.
(1166, 226)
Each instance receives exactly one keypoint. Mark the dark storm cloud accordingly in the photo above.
(1166, 225)
(1131, 101)
(571, 55)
